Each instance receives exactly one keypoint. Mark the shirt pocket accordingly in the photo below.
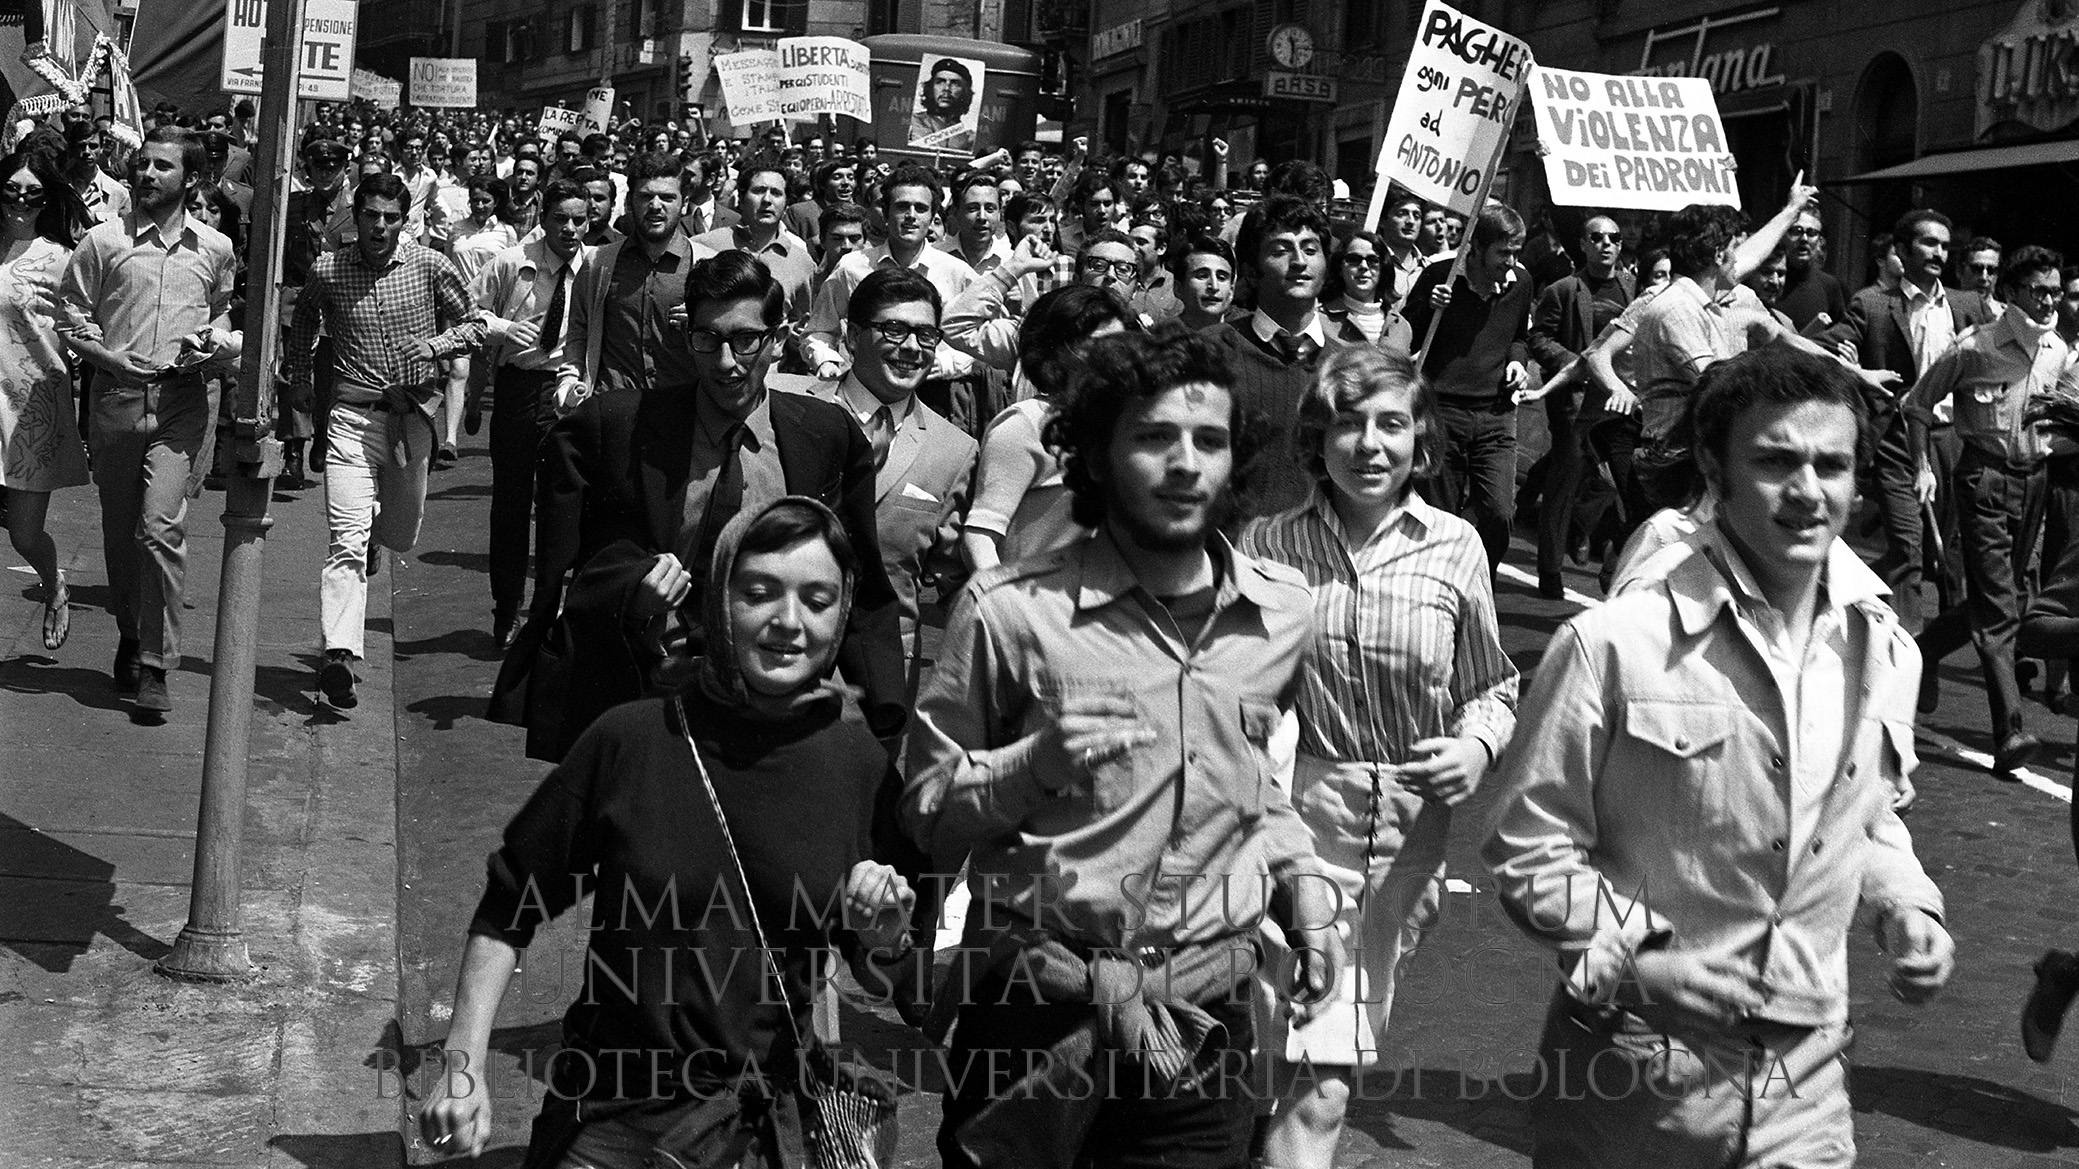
(1259, 724)
(1985, 406)
(1113, 780)
(1677, 756)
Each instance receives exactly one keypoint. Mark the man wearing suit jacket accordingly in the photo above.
(1904, 329)
(923, 462)
(636, 488)
(621, 332)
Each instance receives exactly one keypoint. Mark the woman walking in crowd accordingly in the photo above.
(1358, 303)
(652, 803)
(1021, 501)
(1404, 702)
(40, 447)
(471, 244)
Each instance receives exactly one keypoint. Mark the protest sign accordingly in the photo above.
(555, 121)
(1451, 120)
(1650, 143)
(825, 75)
(947, 107)
(599, 110)
(444, 82)
(750, 85)
(377, 88)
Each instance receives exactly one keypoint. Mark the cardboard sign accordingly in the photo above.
(946, 109)
(444, 82)
(377, 88)
(599, 110)
(825, 75)
(1651, 143)
(1457, 100)
(750, 85)
(555, 120)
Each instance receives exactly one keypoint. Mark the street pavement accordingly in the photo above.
(339, 850)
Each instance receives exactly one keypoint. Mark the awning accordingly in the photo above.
(1987, 158)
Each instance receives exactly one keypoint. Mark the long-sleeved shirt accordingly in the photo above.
(372, 314)
(1683, 776)
(517, 285)
(1991, 373)
(1406, 645)
(979, 322)
(1477, 338)
(947, 272)
(1163, 845)
(786, 257)
(143, 291)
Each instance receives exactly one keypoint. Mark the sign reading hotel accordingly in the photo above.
(1650, 143)
(1457, 100)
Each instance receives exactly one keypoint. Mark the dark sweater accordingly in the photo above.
(1476, 340)
(625, 818)
(1817, 292)
(1269, 390)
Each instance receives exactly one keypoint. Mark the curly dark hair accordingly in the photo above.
(1123, 369)
(1697, 233)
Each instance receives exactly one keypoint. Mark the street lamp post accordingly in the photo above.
(212, 945)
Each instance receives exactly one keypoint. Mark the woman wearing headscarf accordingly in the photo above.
(627, 817)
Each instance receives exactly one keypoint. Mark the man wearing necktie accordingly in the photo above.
(637, 487)
(525, 291)
(923, 463)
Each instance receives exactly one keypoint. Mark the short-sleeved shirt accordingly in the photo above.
(1675, 332)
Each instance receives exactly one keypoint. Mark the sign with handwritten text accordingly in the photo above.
(1652, 143)
(1457, 100)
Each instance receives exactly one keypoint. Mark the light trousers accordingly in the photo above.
(146, 443)
(375, 487)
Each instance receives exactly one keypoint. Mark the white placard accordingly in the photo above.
(377, 88)
(946, 109)
(444, 82)
(1651, 143)
(750, 85)
(325, 65)
(825, 75)
(599, 110)
(1457, 100)
(555, 120)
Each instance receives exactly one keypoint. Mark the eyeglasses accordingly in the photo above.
(23, 196)
(1987, 269)
(896, 332)
(2042, 291)
(1123, 269)
(1360, 258)
(1803, 233)
(743, 343)
(1606, 237)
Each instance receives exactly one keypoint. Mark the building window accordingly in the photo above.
(647, 19)
(578, 26)
(1361, 23)
(509, 40)
(766, 17)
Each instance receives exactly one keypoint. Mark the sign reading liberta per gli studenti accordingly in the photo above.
(1650, 143)
(1457, 100)
(824, 75)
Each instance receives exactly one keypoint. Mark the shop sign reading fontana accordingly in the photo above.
(1734, 70)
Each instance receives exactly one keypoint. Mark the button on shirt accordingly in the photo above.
(1930, 322)
(639, 348)
(518, 285)
(145, 291)
(1989, 376)
(1164, 845)
(1687, 774)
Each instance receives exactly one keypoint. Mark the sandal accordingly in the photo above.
(57, 615)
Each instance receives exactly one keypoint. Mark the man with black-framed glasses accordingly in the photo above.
(1812, 298)
(637, 487)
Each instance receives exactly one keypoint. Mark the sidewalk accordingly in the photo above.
(112, 1064)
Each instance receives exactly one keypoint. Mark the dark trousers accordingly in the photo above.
(1479, 472)
(1563, 470)
(2000, 507)
(1001, 1035)
(1942, 559)
(520, 416)
(1898, 506)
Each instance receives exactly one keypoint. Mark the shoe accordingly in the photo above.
(444, 458)
(336, 679)
(291, 477)
(1552, 586)
(1930, 687)
(2016, 751)
(2043, 1015)
(127, 666)
(472, 419)
(2025, 674)
(151, 691)
(505, 629)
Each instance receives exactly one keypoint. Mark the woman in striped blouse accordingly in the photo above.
(1404, 702)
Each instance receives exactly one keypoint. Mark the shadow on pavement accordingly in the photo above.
(1491, 1110)
(469, 643)
(361, 1150)
(55, 900)
(1965, 1106)
(462, 491)
(467, 561)
(37, 674)
(448, 709)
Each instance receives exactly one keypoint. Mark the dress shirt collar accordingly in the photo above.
(884, 258)
(397, 256)
(1704, 584)
(1267, 330)
(540, 258)
(741, 233)
(863, 404)
(142, 226)
(1106, 577)
(1916, 295)
(714, 424)
(1417, 517)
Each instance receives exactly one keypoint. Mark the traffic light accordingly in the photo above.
(685, 77)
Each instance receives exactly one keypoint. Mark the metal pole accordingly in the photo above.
(212, 946)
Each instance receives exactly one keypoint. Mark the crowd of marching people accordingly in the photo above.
(1087, 566)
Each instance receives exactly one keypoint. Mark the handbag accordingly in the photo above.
(848, 1114)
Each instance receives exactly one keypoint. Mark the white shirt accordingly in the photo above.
(947, 272)
(1928, 317)
(518, 285)
(1268, 330)
(862, 404)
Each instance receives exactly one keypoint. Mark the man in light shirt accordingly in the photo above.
(762, 197)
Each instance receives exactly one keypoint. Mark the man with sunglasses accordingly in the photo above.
(922, 462)
(393, 309)
(1812, 298)
(1569, 316)
(636, 489)
(1979, 272)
